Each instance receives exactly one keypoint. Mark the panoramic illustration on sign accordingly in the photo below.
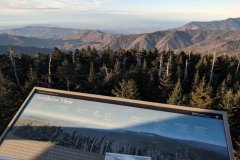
(120, 132)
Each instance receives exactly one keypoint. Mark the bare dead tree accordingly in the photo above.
(49, 71)
(189, 54)
(238, 65)
(168, 65)
(106, 146)
(106, 71)
(73, 58)
(139, 58)
(160, 66)
(93, 143)
(212, 68)
(31, 72)
(10, 52)
(186, 71)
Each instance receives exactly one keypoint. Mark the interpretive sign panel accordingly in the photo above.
(55, 124)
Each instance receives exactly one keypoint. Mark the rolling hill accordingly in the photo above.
(6, 39)
(39, 31)
(25, 50)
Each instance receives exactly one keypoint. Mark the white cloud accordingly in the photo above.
(83, 5)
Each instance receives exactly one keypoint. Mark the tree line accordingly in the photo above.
(90, 141)
(188, 79)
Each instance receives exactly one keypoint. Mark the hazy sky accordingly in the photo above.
(112, 14)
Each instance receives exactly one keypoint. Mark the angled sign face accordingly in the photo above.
(54, 124)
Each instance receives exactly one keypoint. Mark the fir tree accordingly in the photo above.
(105, 73)
(234, 116)
(91, 77)
(201, 96)
(196, 79)
(66, 74)
(165, 87)
(91, 84)
(10, 100)
(166, 83)
(221, 93)
(176, 96)
(117, 69)
(78, 79)
(32, 80)
(3, 88)
(126, 89)
(227, 101)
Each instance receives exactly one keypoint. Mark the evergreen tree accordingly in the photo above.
(195, 80)
(79, 79)
(222, 90)
(166, 83)
(3, 89)
(165, 87)
(57, 55)
(10, 100)
(91, 77)
(117, 69)
(221, 93)
(229, 81)
(203, 65)
(65, 74)
(234, 116)
(227, 101)
(105, 73)
(32, 80)
(126, 89)
(201, 96)
(91, 84)
(176, 96)
(3, 99)
(107, 80)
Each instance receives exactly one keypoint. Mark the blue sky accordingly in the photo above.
(82, 113)
(115, 14)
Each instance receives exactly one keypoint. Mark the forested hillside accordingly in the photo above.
(188, 79)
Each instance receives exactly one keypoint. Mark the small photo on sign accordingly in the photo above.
(115, 156)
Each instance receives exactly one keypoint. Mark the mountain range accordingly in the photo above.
(222, 37)
(226, 25)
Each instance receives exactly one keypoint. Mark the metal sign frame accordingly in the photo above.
(127, 102)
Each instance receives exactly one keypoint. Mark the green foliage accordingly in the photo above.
(126, 89)
(234, 120)
(91, 83)
(66, 74)
(176, 96)
(165, 86)
(32, 80)
(166, 79)
(201, 96)
(10, 101)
